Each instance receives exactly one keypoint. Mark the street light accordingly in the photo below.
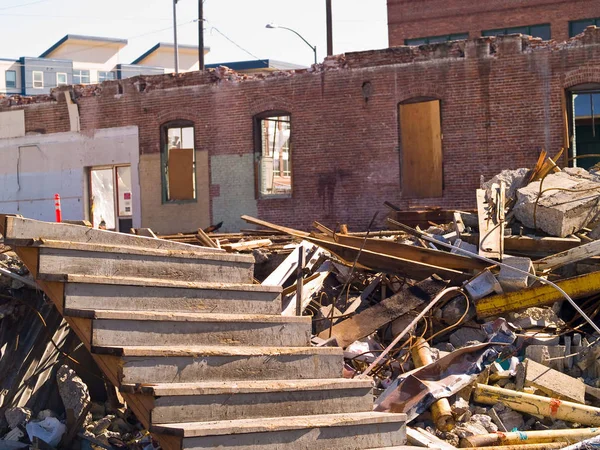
(313, 48)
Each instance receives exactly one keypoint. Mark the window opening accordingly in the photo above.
(578, 26)
(105, 76)
(61, 79)
(437, 39)
(275, 156)
(542, 31)
(584, 121)
(178, 162)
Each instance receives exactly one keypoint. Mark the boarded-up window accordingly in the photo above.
(179, 162)
(421, 148)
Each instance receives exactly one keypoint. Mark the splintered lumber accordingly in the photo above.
(538, 405)
(567, 257)
(491, 223)
(286, 230)
(576, 287)
(205, 239)
(372, 260)
(440, 410)
(422, 438)
(248, 245)
(533, 437)
(309, 289)
(389, 309)
(407, 251)
(553, 383)
(531, 245)
(288, 266)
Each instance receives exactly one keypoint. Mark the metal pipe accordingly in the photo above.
(14, 276)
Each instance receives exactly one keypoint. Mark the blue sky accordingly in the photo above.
(234, 29)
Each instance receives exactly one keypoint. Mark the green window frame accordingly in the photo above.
(542, 30)
(578, 26)
(436, 39)
(185, 131)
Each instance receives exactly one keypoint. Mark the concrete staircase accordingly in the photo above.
(202, 356)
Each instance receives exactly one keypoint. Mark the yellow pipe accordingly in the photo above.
(569, 436)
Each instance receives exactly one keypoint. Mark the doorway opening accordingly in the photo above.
(584, 126)
(110, 198)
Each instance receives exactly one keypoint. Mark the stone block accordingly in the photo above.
(560, 211)
(511, 280)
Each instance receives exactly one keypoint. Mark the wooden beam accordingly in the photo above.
(371, 319)
(530, 245)
(576, 254)
(247, 245)
(533, 437)
(577, 287)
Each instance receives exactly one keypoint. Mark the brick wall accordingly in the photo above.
(500, 101)
(423, 18)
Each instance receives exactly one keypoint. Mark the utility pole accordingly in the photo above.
(176, 48)
(329, 28)
(201, 34)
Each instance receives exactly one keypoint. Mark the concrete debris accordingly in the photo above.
(17, 416)
(73, 391)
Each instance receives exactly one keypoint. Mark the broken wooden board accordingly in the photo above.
(553, 383)
(491, 223)
(576, 287)
(532, 246)
(371, 319)
(309, 289)
(372, 260)
(574, 255)
(410, 252)
(247, 245)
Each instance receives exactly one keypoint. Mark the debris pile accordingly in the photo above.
(485, 330)
(43, 402)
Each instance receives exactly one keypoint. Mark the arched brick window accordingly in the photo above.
(273, 154)
(178, 161)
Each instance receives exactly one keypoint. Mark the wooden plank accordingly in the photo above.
(410, 252)
(371, 260)
(247, 245)
(421, 141)
(567, 257)
(288, 266)
(531, 245)
(309, 289)
(577, 287)
(371, 319)
(205, 239)
(181, 174)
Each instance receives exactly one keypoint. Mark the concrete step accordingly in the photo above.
(83, 292)
(213, 401)
(323, 432)
(58, 258)
(23, 232)
(149, 328)
(195, 364)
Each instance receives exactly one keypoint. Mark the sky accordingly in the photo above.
(234, 29)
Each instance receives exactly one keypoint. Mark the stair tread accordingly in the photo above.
(155, 282)
(166, 316)
(245, 386)
(242, 426)
(131, 250)
(197, 351)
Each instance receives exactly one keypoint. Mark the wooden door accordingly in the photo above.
(421, 141)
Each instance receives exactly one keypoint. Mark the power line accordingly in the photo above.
(23, 5)
(236, 44)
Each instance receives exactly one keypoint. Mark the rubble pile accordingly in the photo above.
(484, 331)
(41, 398)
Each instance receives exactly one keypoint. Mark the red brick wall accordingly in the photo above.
(500, 98)
(423, 18)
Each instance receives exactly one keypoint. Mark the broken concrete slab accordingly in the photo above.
(73, 391)
(465, 335)
(553, 383)
(568, 202)
(17, 416)
(483, 284)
